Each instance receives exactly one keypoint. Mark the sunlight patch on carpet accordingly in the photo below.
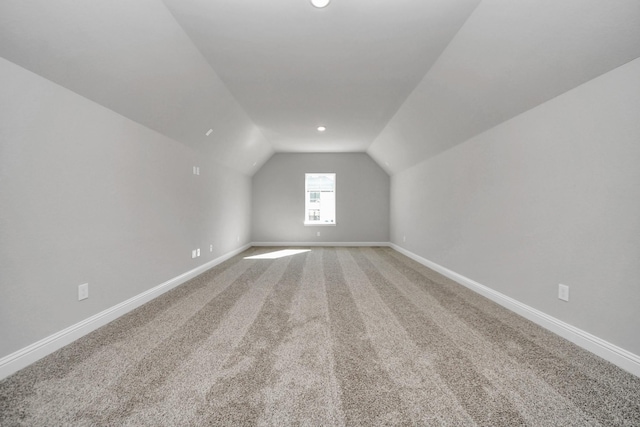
(278, 254)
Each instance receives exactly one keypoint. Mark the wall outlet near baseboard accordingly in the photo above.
(194, 253)
(83, 291)
(563, 292)
(318, 234)
(404, 238)
(210, 248)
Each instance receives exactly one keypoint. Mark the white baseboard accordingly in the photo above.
(36, 351)
(618, 356)
(302, 244)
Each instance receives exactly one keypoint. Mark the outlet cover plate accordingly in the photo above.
(563, 292)
(83, 291)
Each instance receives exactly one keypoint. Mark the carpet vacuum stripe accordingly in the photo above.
(332, 336)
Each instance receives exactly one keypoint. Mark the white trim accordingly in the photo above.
(610, 352)
(36, 351)
(302, 244)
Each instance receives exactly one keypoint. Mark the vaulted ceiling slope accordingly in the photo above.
(509, 57)
(403, 80)
(133, 58)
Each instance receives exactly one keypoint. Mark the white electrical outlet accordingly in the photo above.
(194, 253)
(563, 292)
(198, 252)
(318, 234)
(404, 238)
(83, 291)
(210, 248)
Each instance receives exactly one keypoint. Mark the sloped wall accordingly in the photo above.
(506, 59)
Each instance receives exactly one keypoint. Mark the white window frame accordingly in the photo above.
(307, 206)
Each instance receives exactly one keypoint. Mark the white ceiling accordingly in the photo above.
(402, 79)
(294, 67)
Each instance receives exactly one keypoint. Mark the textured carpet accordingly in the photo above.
(332, 336)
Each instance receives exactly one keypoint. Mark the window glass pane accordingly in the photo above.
(320, 198)
(314, 215)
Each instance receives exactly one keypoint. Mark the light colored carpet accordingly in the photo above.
(333, 336)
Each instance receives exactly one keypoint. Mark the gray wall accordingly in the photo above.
(550, 196)
(87, 195)
(362, 203)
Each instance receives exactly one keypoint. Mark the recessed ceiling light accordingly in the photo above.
(321, 128)
(320, 3)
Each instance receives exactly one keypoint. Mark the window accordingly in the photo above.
(320, 199)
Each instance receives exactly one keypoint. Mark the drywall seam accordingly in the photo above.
(618, 356)
(36, 351)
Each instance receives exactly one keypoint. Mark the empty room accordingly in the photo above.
(320, 212)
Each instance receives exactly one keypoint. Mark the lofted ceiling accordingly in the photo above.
(348, 66)
(402, 80)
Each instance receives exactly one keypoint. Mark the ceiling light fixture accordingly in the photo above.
(320, 3)
(321, 128)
